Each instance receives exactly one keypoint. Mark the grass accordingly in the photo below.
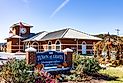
(114, 72)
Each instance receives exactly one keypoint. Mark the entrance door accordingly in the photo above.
(84, 47)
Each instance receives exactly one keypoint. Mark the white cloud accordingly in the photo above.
(59, 8)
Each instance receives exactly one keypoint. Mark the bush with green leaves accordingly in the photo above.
(16, 71)
(82, 67)
(90, 65)
(84, 64)
(76, 59)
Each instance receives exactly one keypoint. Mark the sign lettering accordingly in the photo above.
(50, 58)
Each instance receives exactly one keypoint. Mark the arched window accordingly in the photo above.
(84, 43)
(49, 45)
(35, 45)
(26, 45)
(58, 45)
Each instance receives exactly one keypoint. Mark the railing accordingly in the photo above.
(41, 48)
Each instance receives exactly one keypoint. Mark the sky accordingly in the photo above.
(89, 16)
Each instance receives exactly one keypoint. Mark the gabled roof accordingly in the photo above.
(69, 33)
(17, 24)
(64, 33)
(54, 35)
(37, 36)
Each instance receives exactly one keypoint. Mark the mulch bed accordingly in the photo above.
(96, 78)
(91, 81)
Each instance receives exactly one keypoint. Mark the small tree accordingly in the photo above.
(16, 71)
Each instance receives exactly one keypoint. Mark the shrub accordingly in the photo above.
(82, 68)
(43, 77)
(16, 71)
(85, 65)
(76, 60)
(90, 65)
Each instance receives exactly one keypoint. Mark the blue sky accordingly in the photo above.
(90, 16)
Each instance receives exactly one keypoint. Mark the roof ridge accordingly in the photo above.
(41, 32)
(65, 32)
(54, 31)
(81, 32)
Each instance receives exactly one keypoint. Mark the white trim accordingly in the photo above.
(64, 33)
(29, 44)
(35, 42)
(78, 44)
(83, 42)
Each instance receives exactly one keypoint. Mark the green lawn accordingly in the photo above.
(115, 72)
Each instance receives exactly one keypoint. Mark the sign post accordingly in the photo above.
(68, 56)
(30, 55)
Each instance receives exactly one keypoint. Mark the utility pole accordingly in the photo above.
(120, 50)
(117, 30)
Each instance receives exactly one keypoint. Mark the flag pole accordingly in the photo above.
(20, 26)
(19, 39)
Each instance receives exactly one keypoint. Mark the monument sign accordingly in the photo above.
(50, 58)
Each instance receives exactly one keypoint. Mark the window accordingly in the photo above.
(25, 46)
(84, 49)
(49, 45)
(84, 43)
(58, 45)
(35, 45)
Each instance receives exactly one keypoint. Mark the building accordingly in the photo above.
(121, 38)
(2, 47)
(22, 38)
